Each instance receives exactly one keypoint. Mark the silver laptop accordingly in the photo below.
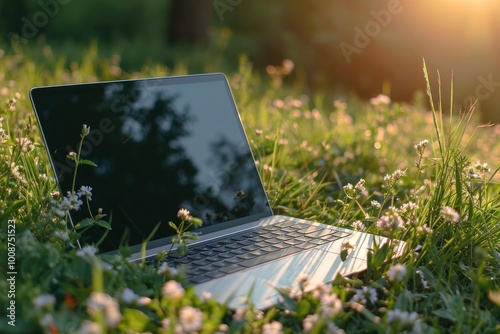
(162, 144)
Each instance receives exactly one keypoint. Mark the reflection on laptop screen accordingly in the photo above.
(159, 145)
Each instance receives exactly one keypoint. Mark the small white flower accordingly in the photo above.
(207, 295)
(164, 268)
(391, 179)
(397, 272)
(354, 192)
(44, 301)
(129, 296)
(365, 295)
(87, 251)
(183, 214)
(309, 322)
(420, 147)
(360, 186)
(481, 168)
(85, 130)
(63, 235)
(449, 214)
(358, 225)
(302, 278)
(380, 99)
(85, 191)
(89, 327)
(330, 305)
(342, 222)
(190, 319)
(102, 302)
(425, 284)
(172, 289)
(46, 320)
(404, 321)
(424, 229)
(239, 314)
(409, 208)
(375, 204)
(274, 327)
(70, 202)
(390, 222)
(143, 301)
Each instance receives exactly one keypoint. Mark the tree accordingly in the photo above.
(190, 22)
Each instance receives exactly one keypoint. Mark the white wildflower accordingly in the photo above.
(375, 204)
(404, 321)
(129, 296)
(183, 214)
(380, 99)
(449, 214)
(89, 327)
(330, 305)
(274, 327)
(172, 289)
(87, 251)
(164, 268)
(331, 328)
(358, 225)
(85, 130)
(342, 222)
(354, 192)
(70, 202)
(46, 320)
(63, 235)
(143, 301)
(424, 229)
(409, 208)
(239, 314)
(390, 222)
(102, 302)
(85, 191)
(309, 322)
(44, 302)
(190, 319)
(425, 284)
(420, 147)
(25, 144)
(390, 180)
(302, 279)
(339, 104)
(365, 295)
(397, 273)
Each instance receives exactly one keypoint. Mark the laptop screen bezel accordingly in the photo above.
(56, 90)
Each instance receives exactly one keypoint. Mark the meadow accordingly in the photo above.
(425, 173)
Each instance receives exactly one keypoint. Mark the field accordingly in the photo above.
(421, 172)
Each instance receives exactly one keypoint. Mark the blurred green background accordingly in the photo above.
(356, 46)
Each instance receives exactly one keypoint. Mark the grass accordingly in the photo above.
(419, 172)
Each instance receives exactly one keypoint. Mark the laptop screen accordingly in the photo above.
(159, 145)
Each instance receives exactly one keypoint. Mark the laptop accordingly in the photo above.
(162, 144)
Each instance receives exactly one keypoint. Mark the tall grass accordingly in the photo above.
(421, 174)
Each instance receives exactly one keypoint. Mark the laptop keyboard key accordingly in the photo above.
(199, 279)
(270, 257)
(246, 256)
(231, 269)
(215, 274)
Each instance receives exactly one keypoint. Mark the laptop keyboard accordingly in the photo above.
(215, 258)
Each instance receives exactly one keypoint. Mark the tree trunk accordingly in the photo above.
(190, 22)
